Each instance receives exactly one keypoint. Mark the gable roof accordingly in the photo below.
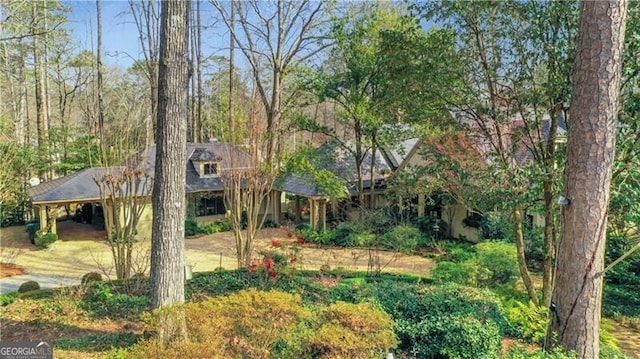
(341, 161)
(76, 187)
(81, 186)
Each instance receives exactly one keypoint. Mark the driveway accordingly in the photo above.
(82, 249)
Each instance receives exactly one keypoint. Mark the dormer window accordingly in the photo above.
(210, 169)
(206, 163)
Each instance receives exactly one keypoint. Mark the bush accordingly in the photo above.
(45, 240)
(259, 324)
(225, 225)
(444, 313)
(191, 227)
(456, 251)
(218, 283)
(499, 258)
(91, 277)
(431, 227)
(102, 301)
(270, 223)
(324, 238)
(466, 273)
(453, 336)
(529, 320)
(29, 286)
(401, 238)
(353, 331)
(352, 234)
(494, 225)
(210, 228)
(8, 298)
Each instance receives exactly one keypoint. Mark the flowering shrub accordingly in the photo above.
(280, 260)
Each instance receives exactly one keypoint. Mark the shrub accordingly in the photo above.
(431, 227)
(352, 234)
(456, 251)
(465, 273)
(500, 259)
(225, 225)
(91, 277)
(325, 237)
(8, 298)
(353, 331)
(424, 314)
(191, 227)
(210, 228)
(45, 240)
(29, 286)
(102, 301)
(270, 223)
(259, 324)
(218, 283)
(494, 225)
(401, 238)
(452, 336)
(529, 320)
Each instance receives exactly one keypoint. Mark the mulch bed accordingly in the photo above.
(10, 269)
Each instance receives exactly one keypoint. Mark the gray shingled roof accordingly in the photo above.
(81, 187)
(78, 187)
(342, 163)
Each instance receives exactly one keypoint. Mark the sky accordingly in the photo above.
(119, 34)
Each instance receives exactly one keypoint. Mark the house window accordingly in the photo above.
(210, 169)
(211, 206)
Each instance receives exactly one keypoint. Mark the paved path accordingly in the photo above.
(11, 284)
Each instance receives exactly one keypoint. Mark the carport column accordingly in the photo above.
(298, 210)
(323, 215)
(313, 213)
(276, 205)
(43, 217)
(52, 221)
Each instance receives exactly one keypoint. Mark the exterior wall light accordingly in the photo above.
(563, 201)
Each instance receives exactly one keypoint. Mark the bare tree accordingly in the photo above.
(124, 195)
(167, 239)
(247, 189)
(274, 37)
(577, 298)
(146, 15)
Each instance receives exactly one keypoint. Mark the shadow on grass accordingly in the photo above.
(66, 336)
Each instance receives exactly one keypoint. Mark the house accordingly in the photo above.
(206, 164)
(388, 164)
(408, 158)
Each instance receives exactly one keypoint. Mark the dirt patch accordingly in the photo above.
(82, 249)
(10, 269)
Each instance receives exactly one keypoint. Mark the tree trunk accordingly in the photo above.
(41, 123)
(549, 245)
(167, 239)
(522, 260)
(99, 78)
(577, 297)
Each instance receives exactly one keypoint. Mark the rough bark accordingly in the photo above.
(167, 239)
(577, 297)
